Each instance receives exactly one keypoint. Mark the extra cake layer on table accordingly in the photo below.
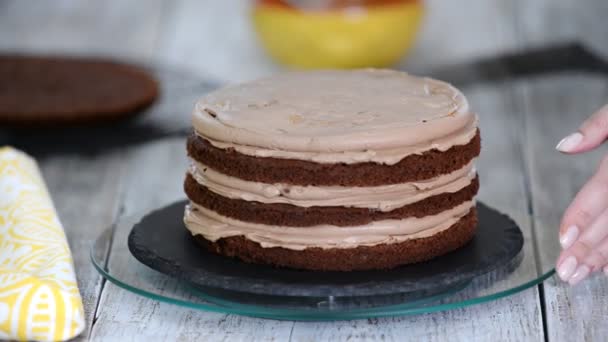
(382, 256)
(413, 167)
(55, 90)
(281, 214)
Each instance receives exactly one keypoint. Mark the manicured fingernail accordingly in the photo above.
(567, 268)
(569, 143)
(568, 238)
(581, 273)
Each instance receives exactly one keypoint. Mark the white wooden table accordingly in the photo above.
(520, 171)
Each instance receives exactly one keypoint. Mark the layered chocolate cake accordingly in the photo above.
(333, 170)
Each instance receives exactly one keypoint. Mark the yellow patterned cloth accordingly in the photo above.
(39, 298)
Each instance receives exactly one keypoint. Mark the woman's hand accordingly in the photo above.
(584, 227)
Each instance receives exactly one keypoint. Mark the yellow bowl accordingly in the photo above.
(375, 36)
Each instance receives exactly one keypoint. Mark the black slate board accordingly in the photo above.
(161, 241)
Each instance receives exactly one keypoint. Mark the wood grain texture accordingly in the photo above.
(86, 189)
(481, 323)
(555, 107)
(86, 192)
(155, 175)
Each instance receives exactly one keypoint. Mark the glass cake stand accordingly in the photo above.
(111, 256)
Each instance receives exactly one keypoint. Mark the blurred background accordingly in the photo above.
(218, 40)
(191, 47)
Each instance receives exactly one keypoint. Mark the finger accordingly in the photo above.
(598, 256)
(590, 201)
(590, 135)
(572, 259)
(581, 273)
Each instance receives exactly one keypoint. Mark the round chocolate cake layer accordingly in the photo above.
(298, 172)
(382, 256)
(54, 90)
(280, 214)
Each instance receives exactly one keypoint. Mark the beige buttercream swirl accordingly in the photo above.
(383, 198)
(213, 227)
(336, 116)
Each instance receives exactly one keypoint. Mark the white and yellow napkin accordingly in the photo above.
(39, 298)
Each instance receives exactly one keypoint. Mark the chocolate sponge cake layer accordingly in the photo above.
(411, 168)
(54, 91)
(384, 256)
(280, 214)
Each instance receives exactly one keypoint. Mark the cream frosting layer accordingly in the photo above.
(213, 226)
(336, 116)
(389, 156)
(384, 198)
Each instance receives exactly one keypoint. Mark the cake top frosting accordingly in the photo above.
(333, 111)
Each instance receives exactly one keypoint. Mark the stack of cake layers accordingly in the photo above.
(333, 170)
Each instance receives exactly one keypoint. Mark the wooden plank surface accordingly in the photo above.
(86, 189)
(155, 176)
(86, 194)
(555, 107)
